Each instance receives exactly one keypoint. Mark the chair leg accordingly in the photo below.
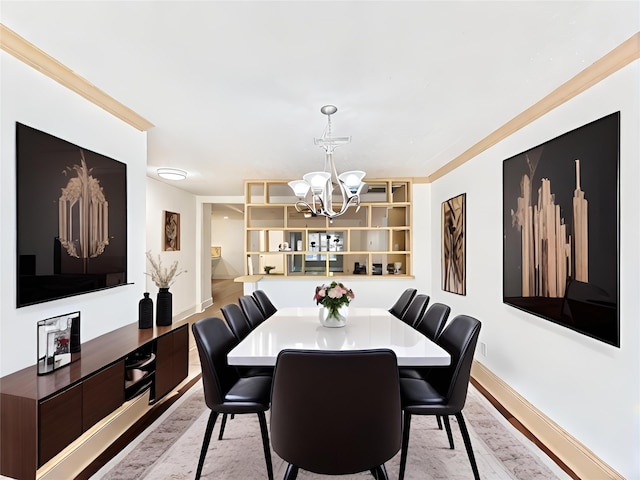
(205, 442)
(265, 443)
(467, 444)
(291, 473)
(439, 419)
(380, 472)
(222, 425)
(405, 444)
(447, 427)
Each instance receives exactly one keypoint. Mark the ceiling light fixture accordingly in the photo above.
(172, 173)
(321, 184)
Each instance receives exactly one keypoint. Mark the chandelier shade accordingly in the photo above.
(322, 184)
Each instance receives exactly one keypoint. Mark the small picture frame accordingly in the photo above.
(171, 231)
(58, 342)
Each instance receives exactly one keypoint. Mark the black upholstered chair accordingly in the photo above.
(236, 320)
(264, 303)
(336, 412)
(239, 325)
(224, 390)
(430, 325)
(444, 391)
(433, 320)
(402, 303)
(251, 310)
(416, 309)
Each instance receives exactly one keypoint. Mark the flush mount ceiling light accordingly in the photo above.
(172, 173)
(321, 184)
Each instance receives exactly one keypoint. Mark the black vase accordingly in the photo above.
(164, 307)
(145, 312)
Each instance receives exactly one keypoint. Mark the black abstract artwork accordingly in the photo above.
(561, 230)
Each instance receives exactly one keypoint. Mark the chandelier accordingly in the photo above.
(322, 184)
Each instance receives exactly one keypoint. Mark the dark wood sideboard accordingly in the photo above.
(41, 415)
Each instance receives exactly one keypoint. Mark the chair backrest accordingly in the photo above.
(416, 309)
(459, 338)
(433, 320)
(236, 320)
(336, 412)
(264, 302)
(214, 340)
(403, 302)
(251, 310)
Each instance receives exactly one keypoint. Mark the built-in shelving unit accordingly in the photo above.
(372, 240)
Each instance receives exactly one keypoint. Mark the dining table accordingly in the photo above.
(366, 328)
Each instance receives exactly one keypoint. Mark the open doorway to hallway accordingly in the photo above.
(227, 241)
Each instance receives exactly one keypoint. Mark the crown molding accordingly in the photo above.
(15, 45)
(616, 59)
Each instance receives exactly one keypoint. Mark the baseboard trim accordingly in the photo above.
(577, 457)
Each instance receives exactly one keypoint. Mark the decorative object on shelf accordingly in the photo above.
(163, 278)
(268, 269)
(145, 312)
(58, 340)
(397, 266)
(322, 183)
(335, 299)
(164, 307)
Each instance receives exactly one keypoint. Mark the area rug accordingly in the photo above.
(169, 449)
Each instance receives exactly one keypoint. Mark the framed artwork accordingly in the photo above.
(58, 340)
(561, 230)
(454, 245)
(71, 219)
(171, 232)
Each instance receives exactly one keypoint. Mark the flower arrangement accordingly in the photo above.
(333, 296)
(163, 277)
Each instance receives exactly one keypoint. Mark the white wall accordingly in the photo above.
(589, 388)
(35, 100)
(229, 234)
(166, 197)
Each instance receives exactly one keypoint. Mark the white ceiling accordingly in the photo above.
(234, 89)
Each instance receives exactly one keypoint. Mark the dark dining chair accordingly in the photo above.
(433, 321)
(236, 320)
(444, 391)
(416, 309)
(402, 303)
(264, 303)
(430, 325)
(224, 390)
(336, 412)
(251, 310)
(239, 325)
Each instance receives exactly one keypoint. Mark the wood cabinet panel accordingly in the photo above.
(42, 414)
(18, 418)
(102, 393)
(172, 361)
(59, 422)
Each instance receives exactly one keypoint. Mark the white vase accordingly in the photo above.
(327, 320)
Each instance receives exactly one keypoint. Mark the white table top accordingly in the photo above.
(366, 328)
